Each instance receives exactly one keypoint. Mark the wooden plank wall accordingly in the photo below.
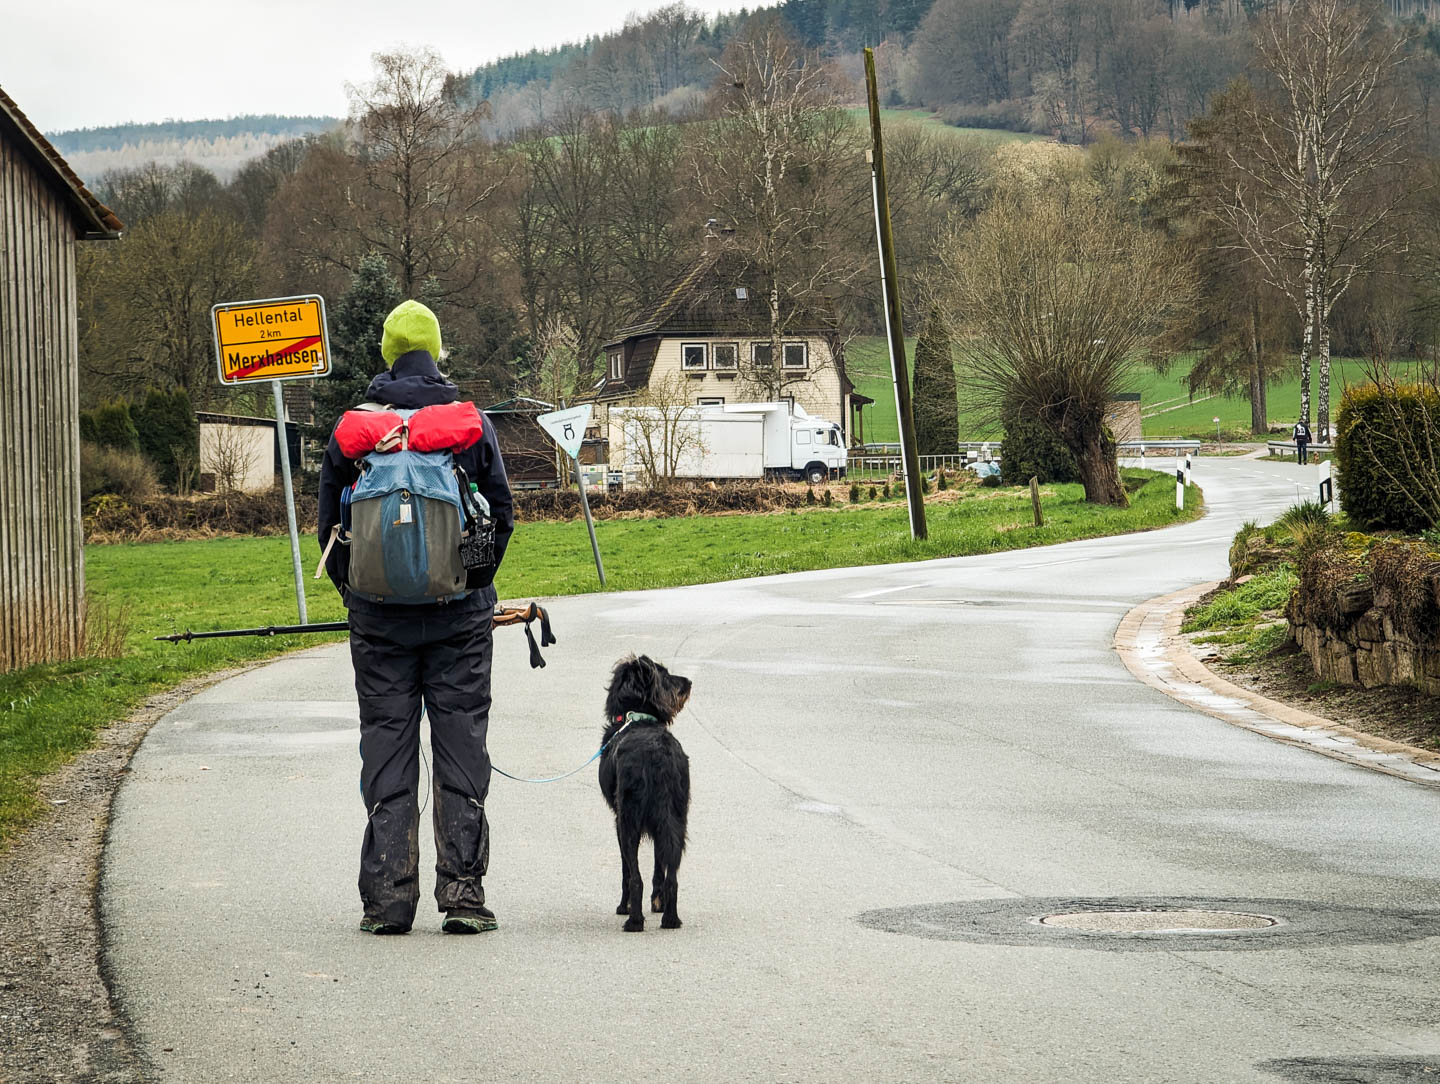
(42, 565)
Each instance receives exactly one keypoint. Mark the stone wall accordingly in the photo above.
(1370, 650)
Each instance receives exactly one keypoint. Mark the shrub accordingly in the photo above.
(809, 495)
(126, 474)
(1387, 455)
(873, 493)
(854, 492)
(991, 481)
(827, 500)
(1031, 449)
(884, 492)
(169, 434)
(1011, 115)
(942, 481)
(110, 426)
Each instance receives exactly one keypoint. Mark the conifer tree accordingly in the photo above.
(169, 433)
(937, 429)
(356, 324)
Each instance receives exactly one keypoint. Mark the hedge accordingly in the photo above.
(1387, 455)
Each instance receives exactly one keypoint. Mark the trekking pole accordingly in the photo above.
(503, 615)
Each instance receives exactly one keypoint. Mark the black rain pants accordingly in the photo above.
(443, 658)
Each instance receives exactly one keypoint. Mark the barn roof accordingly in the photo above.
(94, 219)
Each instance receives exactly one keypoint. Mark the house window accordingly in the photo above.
(710, 400)
(797, 356)
(726, 355)
(617, 365)
(762, 355)
(692, 356)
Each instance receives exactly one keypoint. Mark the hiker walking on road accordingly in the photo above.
(1302, 442)
(417, 648)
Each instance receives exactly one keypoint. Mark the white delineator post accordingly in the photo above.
(1187, 468)
(283, 439)
(1179, 484)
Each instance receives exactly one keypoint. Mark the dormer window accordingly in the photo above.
(617, 365)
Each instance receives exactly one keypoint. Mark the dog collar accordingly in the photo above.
(636, 717)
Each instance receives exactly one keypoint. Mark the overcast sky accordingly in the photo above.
(87, 63)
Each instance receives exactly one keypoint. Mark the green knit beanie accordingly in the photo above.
(410, 326)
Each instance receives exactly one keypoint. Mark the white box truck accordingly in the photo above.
(738, 440)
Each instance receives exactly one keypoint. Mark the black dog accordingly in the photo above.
(645, 777)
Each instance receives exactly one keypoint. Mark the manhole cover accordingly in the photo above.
(1155, 923)
(1186, 920)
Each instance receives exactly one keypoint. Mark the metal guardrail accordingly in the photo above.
(863, 464)
(1287, 447)
(1145, 447)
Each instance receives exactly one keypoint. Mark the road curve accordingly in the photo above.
(897, 770)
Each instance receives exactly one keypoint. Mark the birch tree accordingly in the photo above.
(1311, 158)
(783, 164)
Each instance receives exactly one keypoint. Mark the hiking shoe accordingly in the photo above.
(380, 926)
(478, 920)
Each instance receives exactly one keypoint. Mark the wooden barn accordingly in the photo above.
(45, 210)
(529, 454)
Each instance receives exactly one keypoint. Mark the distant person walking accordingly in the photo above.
(1302, 442)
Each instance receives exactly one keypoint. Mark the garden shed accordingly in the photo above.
(45, 211)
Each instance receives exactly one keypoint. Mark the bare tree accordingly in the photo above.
(1060, 301)
(782, 164)
(145, 316)
(662, 430)
(423, 169)
(1312, 161)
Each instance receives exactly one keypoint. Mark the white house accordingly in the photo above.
(709, 336)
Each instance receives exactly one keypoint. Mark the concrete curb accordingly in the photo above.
(1151, 646)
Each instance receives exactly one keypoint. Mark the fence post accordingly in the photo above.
(1035, 500)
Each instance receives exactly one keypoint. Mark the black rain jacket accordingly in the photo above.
(412, 382)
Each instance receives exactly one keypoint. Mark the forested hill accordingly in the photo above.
(666, 59)
(106, 139)
(221, 146)
(1073, 69)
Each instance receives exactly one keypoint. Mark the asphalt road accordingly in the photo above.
(895, 770)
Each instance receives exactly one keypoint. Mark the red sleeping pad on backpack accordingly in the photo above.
(445, 427)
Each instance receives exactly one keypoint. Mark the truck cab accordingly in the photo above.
(817, 452)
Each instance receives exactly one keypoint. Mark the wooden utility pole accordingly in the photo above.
(894, 327)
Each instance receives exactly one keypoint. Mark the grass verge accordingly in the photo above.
(49, 713)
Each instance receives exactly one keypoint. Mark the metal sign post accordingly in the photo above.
(275, 339)
(567, 429)
(283, 437)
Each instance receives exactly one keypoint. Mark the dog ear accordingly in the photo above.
(632, 684)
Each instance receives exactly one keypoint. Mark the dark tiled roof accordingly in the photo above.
(703, 301)
(90, 211)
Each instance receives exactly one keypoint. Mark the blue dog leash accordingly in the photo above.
(630, 717)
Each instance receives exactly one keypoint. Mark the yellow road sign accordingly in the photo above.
(280, 338)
